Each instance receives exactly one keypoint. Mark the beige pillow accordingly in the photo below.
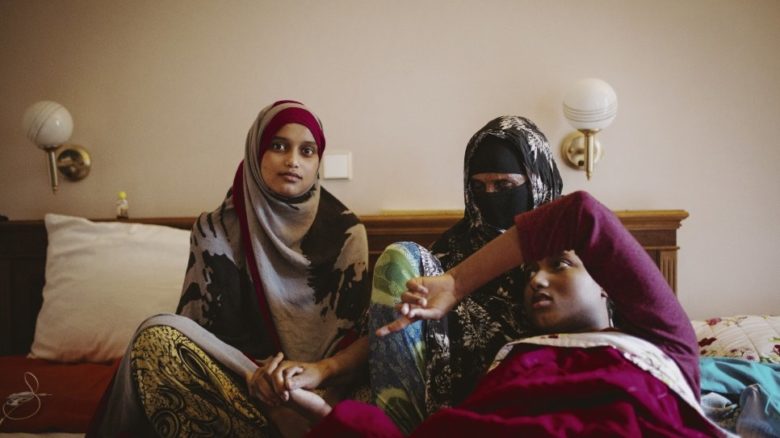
(102, 281)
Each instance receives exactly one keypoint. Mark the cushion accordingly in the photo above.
(73, 393)
(102, 281)
(749, 337)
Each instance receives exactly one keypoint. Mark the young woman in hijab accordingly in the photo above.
(508, 169)
(277, 273)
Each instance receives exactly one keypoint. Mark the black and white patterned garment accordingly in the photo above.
(265, 274)
(334, 293)
(309, 293)
(460, 351)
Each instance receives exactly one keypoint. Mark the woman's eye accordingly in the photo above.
(504, 185)
(277, 146)
(308, 150)
(563, 263)
(477, 187)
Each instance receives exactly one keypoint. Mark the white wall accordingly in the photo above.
(163, 92)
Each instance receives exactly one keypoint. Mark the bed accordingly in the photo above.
(91, 272)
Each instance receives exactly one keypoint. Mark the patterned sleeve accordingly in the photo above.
(217, 292)
(356, 286)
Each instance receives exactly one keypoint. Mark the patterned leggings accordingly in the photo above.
(186, 393)
(397, 362)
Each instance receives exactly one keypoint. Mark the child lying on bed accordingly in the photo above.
(582, 377)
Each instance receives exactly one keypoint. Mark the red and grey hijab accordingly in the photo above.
(269, 273)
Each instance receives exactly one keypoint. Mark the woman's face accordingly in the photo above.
(562, 297)
(500, 197)
(289, 165)
(495, 182)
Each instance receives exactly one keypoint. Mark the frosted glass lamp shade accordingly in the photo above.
(47, 123)
(590, 104)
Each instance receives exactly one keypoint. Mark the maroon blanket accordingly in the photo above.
(546, 391)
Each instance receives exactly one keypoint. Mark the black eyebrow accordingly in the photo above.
(559, 255)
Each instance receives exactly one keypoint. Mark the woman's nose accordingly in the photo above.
(291, 160)
(539, 280)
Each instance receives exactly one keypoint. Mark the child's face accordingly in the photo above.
(562, 297)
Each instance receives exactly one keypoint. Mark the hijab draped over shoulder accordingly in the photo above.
(482, 323)
(268, 273)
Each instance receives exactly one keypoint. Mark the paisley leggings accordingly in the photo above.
(397, 362)
(184, 392)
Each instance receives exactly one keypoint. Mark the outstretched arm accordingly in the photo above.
(643, 300)
(433, 297)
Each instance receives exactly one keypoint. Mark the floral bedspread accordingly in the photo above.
(749, 337)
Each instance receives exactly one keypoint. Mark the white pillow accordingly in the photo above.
(102, 281)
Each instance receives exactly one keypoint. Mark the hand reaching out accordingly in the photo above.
(425, 298)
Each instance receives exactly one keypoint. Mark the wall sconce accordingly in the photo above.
(49, 125)
(590, 105)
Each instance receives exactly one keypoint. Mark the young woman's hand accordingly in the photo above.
(276, 377)
(291, 375)
(310, 405)
(261, 383)
(425, 298)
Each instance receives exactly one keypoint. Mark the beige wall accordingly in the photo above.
(162, 93)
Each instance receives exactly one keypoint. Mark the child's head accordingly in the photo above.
(562, 297)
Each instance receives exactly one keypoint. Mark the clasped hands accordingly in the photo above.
(276, 379)
(425, 298)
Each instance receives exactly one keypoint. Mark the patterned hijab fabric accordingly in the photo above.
(478, 327)
(269, 273)
(471, 233)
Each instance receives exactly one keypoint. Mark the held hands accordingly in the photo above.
(425, 298)
(274, 380)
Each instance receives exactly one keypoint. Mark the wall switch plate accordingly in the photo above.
(337, 165)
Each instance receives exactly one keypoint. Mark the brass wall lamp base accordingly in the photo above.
(574, 151)
(72, 161)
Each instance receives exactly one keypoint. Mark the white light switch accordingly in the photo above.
(337, 165)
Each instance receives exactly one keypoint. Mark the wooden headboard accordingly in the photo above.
(23, 257)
